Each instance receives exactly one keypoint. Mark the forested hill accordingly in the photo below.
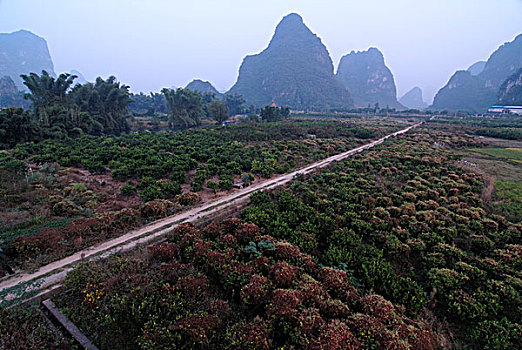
(511, 90)
(477, 67)
(23, 52)
(466, 91)
(368, 79)
(294, 70)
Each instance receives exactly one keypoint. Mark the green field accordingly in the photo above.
(509, 197)
(514, 154)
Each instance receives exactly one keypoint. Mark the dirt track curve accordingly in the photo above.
(55, 272)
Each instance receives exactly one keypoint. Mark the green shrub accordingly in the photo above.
(128, 190)
(151, 192)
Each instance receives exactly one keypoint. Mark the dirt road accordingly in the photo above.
(55, 272)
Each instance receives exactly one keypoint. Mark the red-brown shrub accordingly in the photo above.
(246, 232)
(335, 336)
(249, 336)
(230, 226)
(337, 283)
(282, 273)
(334, 308)
(192, 286)
(286, 251)
(163, 253)
(256, 291)
(186, 229)
(156, 208)
(284, 304)
(229, 241)
(312, 292)
(378, 307)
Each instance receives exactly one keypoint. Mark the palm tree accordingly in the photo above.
(107, 101)
(218, 110)
(186, 107)
(46, 91)
(16, 126)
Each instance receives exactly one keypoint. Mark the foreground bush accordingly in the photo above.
(212, 289)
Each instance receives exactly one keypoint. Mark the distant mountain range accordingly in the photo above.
(296, 70)
(23, 52)
(469, 90)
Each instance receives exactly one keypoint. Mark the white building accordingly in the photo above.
(506, 109)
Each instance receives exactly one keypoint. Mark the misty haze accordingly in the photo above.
(332, 174)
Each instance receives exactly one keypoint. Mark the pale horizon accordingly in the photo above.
(154, 44)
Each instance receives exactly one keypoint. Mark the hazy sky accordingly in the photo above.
(150, 44)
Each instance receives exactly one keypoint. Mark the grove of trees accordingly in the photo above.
(185, 106)
(273, 113)
(59, 110)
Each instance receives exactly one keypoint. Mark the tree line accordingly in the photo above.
(60, 109)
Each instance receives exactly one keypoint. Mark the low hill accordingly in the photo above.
(203, 87)
(413, 99)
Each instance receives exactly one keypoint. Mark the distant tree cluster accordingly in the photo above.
(274, 114)
(148, 105)
(235, 103)
(218, 111)
(59, 111)
(187, 108)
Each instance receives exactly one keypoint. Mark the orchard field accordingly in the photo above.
(413, 244)
(59, 196)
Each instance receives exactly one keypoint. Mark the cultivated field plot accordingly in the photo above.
(513, 154)
(395, 241)
(60, 196)
(502, 170)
